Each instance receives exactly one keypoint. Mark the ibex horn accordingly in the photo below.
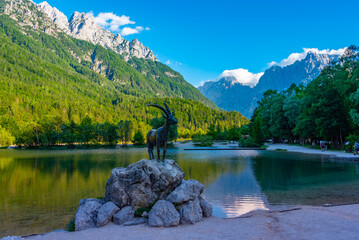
(158, 106)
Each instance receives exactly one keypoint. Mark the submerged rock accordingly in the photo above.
(105, 213)
(143, 182)
(163, 214)
(86, 214)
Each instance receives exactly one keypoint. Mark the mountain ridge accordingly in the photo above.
(137, 76)
(231, 95)
(81, 26)
(50, 83)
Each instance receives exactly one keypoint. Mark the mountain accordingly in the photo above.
(230, 94)
(49, 80)
(81, 26)
(131, 68)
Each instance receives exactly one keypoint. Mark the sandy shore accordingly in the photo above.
(339, 222)
(299, 149)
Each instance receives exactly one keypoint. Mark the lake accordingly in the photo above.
(40, 189)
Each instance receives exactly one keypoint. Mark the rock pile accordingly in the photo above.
(137, 188)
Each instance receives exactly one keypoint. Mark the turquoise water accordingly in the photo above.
(40, 190)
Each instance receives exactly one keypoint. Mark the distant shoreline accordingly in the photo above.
(337, 155)
(76, 147)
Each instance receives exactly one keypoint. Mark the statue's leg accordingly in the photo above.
(164, 151)
(150, 152)
(158, 152)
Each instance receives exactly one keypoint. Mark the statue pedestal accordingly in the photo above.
(147, 185)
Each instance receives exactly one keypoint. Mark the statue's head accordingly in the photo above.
(167, 113)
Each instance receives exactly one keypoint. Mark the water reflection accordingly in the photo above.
(40, 189)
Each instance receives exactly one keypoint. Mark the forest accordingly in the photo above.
(54, 91)
(327, 109)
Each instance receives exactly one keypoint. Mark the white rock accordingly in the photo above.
(163, 214)
(190, 212)
(143, 182)
(206, 207)
(126, 214)
(188, 190)
(86, 214)
(105, 213)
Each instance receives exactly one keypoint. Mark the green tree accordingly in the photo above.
(128, 127)
(86, 130)
(234, 134)
(138, 138)
(69, 133)
(6, 139)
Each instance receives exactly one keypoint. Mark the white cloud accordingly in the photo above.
(168, 62)
(112, 21)
(299, 56)
(242, 76)
(128, 31)
(272, 63)
(115, 23)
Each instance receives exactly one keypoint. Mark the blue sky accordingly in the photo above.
(201, 39)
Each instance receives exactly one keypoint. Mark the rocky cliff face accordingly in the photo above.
(56, 16)
(81, 26)
(27, 13)
(229, 95)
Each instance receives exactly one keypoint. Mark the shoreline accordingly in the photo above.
(338, 155)
(306, 222)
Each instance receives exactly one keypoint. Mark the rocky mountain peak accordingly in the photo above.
(84, 27)
(27, 13)
(230, 94)
(57, 17)
(81, 26)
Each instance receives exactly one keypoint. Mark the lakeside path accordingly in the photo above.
(299, 149)
(338, 222)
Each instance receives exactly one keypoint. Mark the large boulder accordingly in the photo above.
(126, 214)
(188, 190)
(105, 213)
(86, 214)
(190, 212)
(163, 214)
(143, 182)
(206, 207)
(116, 194)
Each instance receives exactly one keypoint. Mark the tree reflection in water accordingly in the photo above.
(40, 190)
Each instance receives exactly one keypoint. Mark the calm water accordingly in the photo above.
(40, 190)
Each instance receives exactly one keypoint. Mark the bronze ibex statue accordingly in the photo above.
(158, 137)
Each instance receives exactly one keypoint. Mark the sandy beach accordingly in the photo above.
(337, 222)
